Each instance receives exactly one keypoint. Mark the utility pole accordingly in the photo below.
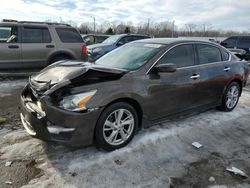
(173, 29)
(148, 26)
(94, 24)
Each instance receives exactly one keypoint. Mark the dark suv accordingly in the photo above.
(96, 51)
(37, 44)
(238, 42)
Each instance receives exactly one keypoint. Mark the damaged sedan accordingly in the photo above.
(135, 86)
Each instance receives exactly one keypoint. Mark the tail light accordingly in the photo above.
(84, 52)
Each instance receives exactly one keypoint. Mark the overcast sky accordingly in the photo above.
(221, 14)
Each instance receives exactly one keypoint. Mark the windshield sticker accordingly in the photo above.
(152, 45)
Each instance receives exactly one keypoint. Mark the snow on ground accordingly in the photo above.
(8, 86)
(156, 157)
(160, 156)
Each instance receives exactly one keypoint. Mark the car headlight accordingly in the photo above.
(76, 102)
(97, 50)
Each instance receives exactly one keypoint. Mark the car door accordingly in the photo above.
(213, 74)
(230, 42)
(36, 45)
(170, 93)
(10, 48)
(244, 43)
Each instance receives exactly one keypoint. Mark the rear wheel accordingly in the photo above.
(116, 126)
(230, 97)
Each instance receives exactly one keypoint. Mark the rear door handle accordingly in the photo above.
(227, 69)
(13, 46)
(195, 76)
(50, 46)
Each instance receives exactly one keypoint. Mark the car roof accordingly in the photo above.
(173, 40)
(131, 34)
(31, 23)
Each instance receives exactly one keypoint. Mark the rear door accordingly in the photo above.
(36, 46)
(10, 48)
(244, 43)
(213, 74)
(175, 92)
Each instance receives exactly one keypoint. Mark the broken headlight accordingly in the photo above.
(76, 102)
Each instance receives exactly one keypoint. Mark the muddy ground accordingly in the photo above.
(161, 156)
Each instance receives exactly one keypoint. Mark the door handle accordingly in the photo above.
(13, 46)
(195, 76)
(227, 69)
(50, 46)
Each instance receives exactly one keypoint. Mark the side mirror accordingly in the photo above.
(119, 43)
(165, 68)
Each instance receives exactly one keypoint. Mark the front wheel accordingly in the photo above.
(116, 126)
(230, 97)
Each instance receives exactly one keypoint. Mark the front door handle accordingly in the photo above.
(227, 69)
(195, 76)
(50, 46)
(13, 46)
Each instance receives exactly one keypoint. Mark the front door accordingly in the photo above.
(170, 93)
(10, 48)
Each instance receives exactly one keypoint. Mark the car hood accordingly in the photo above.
(76, 72)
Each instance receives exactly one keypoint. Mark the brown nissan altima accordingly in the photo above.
(134, 86)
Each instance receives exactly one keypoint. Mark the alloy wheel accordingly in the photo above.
(118, 127)
(232, 97)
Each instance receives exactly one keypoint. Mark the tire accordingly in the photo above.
(109, 133)
(226, 105)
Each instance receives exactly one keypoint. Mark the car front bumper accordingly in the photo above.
(51, 123)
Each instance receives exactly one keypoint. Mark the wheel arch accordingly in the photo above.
(239, 81)
(58, 54)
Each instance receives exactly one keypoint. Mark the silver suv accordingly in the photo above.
(26, 45)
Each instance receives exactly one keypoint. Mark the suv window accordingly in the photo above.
(69, 35)
(8, 34)
(125, 40)
(36, 35)
(230, 42)
(208, 54)
(244, 42)
(181, 56)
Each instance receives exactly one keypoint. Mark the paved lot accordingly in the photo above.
(161, 156)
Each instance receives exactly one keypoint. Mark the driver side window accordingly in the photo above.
(181, 56)
(8, 34)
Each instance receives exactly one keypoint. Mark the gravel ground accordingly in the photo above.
(161, 156)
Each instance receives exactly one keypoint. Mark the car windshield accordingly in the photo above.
(130, 56)
(112, 39)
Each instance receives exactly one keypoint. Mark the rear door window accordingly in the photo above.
(35, 35)
(69, 35)
(208, 54)
(181, 56)
(8, 34)
(244, 42)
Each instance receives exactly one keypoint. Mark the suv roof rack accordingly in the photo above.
(49, 23)
(34, 22)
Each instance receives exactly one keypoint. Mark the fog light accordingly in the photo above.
(57, 129)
